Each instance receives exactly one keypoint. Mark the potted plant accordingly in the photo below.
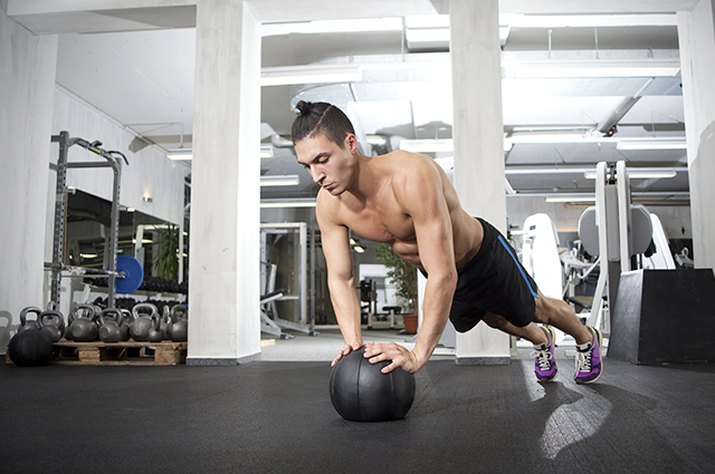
(165, 260)
(404, 275)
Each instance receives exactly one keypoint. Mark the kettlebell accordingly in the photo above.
(154, 334)
(52, 306)
(110, 329)
(178, 329)
(165, 321)
(143, 322)
(52, 322)
(127, 318)
(26, 325)
(70, 318)
(5, 328)
(84, 326)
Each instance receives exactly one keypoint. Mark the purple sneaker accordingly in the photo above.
(589, 365)
(545, 363)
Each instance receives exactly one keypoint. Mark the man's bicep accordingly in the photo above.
(433, 225)
(334, 241)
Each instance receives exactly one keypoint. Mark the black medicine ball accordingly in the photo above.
(360, 392)
(31, 347)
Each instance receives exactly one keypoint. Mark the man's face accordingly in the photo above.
(330, 166)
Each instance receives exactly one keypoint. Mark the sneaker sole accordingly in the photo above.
(600, 340)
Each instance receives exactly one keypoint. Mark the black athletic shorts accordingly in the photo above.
(493, 281)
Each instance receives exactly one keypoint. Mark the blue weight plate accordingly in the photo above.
(134, 274)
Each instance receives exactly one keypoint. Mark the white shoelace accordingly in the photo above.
(544, 358)
(583, 361)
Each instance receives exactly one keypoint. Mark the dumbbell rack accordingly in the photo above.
(57, 266)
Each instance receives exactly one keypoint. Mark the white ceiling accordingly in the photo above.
(144, 79)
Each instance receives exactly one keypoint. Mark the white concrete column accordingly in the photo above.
(225, 214)
(478, 142)
(27, 84)
(696, 36)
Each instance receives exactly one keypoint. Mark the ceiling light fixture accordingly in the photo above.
(651, 144)
(267, 151)
(519, 20)
(279, 204)
(180, 154)
(568, 68)
(643, 173)
(429, 145)
(186, 154)
(571, 198)
(281, 180)
(365, 25)
(310, 74)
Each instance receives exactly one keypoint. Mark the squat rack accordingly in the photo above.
(57, 266)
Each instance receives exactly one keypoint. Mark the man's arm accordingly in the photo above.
(422, 197)
(341, 283)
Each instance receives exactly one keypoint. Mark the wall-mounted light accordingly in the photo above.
(147, 199)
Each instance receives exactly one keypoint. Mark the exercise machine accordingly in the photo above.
(619, 233)
(287, 244)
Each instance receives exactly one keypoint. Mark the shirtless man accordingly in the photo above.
(407, 201)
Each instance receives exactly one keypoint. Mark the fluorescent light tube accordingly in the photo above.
(416, 36)
(278, 204)
(517, 20)
(310, 74)
(641, 173)
(332, 26)
(445, 145)
(281, 180)
(652, 144)
(566, 68)
(266, 151)
(180, 154)
(571, 198)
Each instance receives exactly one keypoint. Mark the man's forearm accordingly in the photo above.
(439, 292)
(347, 310)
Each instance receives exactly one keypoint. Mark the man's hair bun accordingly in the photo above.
(304, 108)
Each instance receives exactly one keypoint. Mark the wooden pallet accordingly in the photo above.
(119, 353)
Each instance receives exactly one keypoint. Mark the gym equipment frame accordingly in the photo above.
(58, 267)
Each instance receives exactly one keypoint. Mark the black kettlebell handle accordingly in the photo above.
(85, 307)
(117, 318)
(51, 314)
(29, 309)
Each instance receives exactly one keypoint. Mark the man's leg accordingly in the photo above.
(559, 314)
(530, 332)
(588, 340)
(541, 337)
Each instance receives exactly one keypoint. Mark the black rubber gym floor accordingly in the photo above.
(277, 417)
